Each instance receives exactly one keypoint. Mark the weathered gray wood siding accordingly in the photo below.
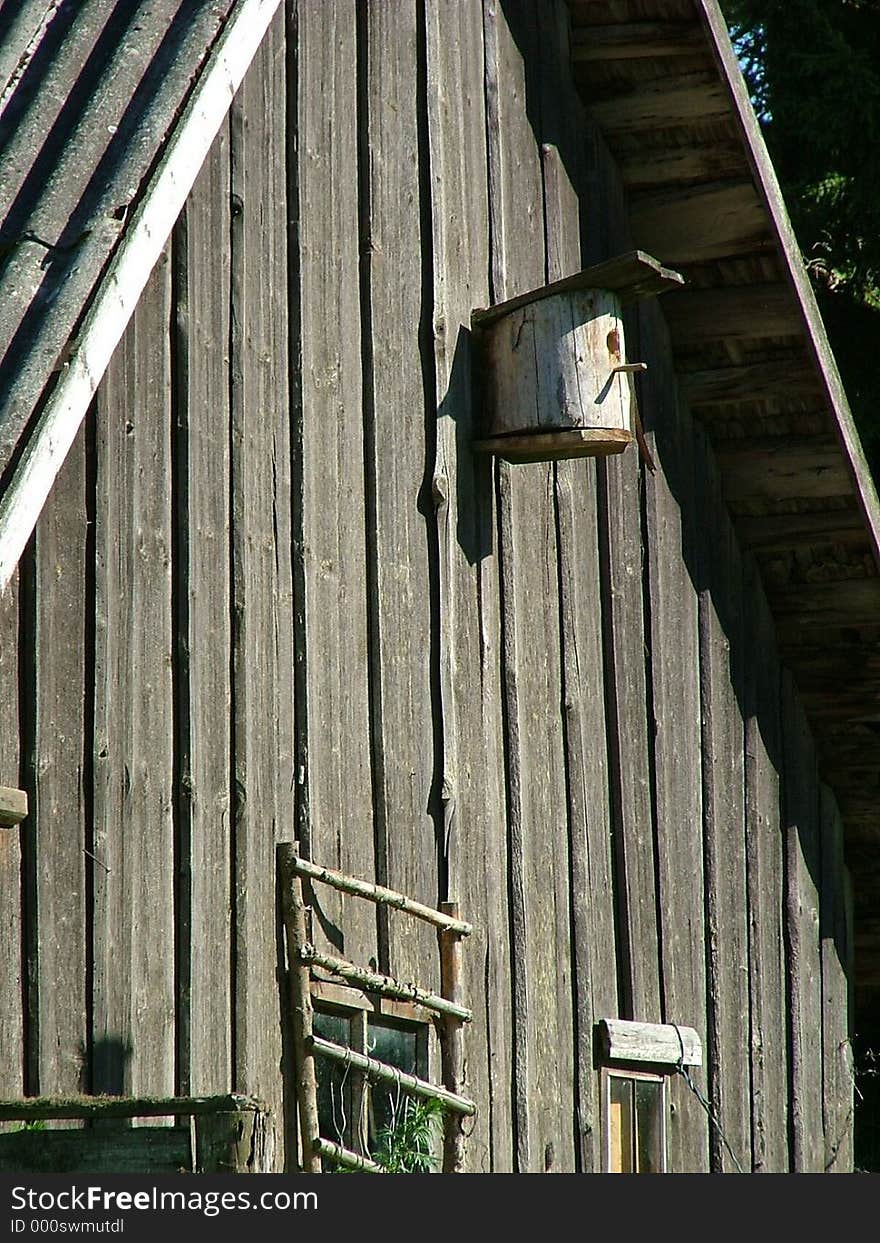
(275, 595)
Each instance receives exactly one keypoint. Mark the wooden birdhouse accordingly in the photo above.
(554, 373)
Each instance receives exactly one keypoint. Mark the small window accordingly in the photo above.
(637, 1061)
(353, 1111)
(634, 1105)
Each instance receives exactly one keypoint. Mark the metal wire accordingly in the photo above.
(704, 1102)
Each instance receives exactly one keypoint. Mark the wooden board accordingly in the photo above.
(469, 591)
(146, 1150)
(766, 886)
(62, 668)
(592, 900)
(802, 881)
(674, 704)
(838, 1103)
(132, 850)
(11, 1015)
(262, 667)
(204, 703)
(722, 663)
(334, 783)
(398, 448)
(539, 862)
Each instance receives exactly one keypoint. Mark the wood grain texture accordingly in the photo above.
(11, 897)
(469, 590)
(674, 699)
(802, 882)
(765, 883)
(398, 452)
(261, 577)
(722, 662)
(58, 953)
(594, 968)
(335, 813)
(539, 856)
(838, 1103)
(133, 845)
(204, 637)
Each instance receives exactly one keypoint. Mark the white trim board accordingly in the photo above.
(121, 286)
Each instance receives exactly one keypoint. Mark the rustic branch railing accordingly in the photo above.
(302, 954)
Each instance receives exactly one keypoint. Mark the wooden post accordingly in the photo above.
(236, 1142)
(452, 1041)
(300, 1008)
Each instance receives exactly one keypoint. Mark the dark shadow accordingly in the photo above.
(110, 1058)
(461, 403)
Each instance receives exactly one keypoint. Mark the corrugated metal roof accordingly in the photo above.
(89, 92)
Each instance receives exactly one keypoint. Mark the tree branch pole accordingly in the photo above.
(300, 1008)
(452, 1039)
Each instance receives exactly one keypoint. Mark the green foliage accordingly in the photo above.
(813, 68)
(406, 1145)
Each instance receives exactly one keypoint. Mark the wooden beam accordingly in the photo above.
(779, 467)
(741, 110)
(655, 166)
(635, 40)
(732, 313)
(848, 602)
(772, 532)
(661, 103)
(37, 1108)
(13, 806)
(696, 223)
(127, 276)
(789, 377)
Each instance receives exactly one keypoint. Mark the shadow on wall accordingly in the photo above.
(110, 1059)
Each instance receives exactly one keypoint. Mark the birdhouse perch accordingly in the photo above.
(554, 373)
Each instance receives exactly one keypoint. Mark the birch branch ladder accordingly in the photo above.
(450, 1011)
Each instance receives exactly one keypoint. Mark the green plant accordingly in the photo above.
(406, 1145)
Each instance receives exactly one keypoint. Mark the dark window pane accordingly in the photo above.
(398, 1047)
(334, 1098)
(649, 1126)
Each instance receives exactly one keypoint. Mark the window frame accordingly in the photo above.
(630, 1074)
(359, 1007)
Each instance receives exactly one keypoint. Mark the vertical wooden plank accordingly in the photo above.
(261, 582)
(802, 872)
(605, 232)
(539, 856)
(334, 774)
(765, 882)
(675, 700)
(58, 952)
(204, 640)
(727, 930)
(592, 899)
(473, 776)
(837, 1062)
(398, 455)
(11, 912)
(133, 845)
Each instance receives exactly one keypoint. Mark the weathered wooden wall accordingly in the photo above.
(275, 595)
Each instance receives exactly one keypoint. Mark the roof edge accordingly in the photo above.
(768, 186)
(122, 284)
